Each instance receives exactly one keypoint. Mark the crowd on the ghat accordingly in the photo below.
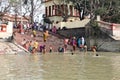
(33, 46)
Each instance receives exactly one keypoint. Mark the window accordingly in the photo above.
(49, 10)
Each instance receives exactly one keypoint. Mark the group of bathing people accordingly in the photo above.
(79, 43)
(33, 46)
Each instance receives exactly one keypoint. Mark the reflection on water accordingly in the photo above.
(60, 67)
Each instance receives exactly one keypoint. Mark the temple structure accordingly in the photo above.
(58, 10)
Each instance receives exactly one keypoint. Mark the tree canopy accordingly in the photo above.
(24, 8)
(109, 10)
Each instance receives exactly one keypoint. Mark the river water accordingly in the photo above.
(58, 66)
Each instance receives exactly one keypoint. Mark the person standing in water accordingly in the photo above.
(44, 49)
(74, 44)
(94, 49)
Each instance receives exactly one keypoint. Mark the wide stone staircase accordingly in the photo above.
(53, 40)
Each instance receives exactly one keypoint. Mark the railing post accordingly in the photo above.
(113, 27)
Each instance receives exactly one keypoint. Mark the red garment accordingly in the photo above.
(20, 28)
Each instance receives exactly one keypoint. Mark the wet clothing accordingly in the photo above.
(79, 42)
(83, 40)
(36, 45)
(60, 49)
(74, 44)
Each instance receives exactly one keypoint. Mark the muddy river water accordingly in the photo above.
(58, 66)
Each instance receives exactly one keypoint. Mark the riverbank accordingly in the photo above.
(10, 48)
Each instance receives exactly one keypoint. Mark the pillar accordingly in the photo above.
(68, 7)
(98, 17)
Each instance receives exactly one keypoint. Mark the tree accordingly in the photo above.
(107, 9)
(4, 8)
(21, 7)
(32, 8)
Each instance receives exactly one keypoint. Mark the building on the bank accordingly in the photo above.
(6, 30)
(56, 9)
(14, 18)
(53, 10)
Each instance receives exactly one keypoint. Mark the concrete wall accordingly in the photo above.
(110, 28)
(77, 32)
(116, 30)
(106, 45)
(74, 24)
(108, 40)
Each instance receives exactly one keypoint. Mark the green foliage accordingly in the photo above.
(109, 10)
(100, 11)
(95, 29)
(94, 24)
(116, 19)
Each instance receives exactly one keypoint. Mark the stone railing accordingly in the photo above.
(110, 28)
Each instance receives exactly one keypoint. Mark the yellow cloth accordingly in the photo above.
(45, 35)
(34, 32)
(36, 45)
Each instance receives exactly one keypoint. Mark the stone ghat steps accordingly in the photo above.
(53, 40)
(9, 48)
